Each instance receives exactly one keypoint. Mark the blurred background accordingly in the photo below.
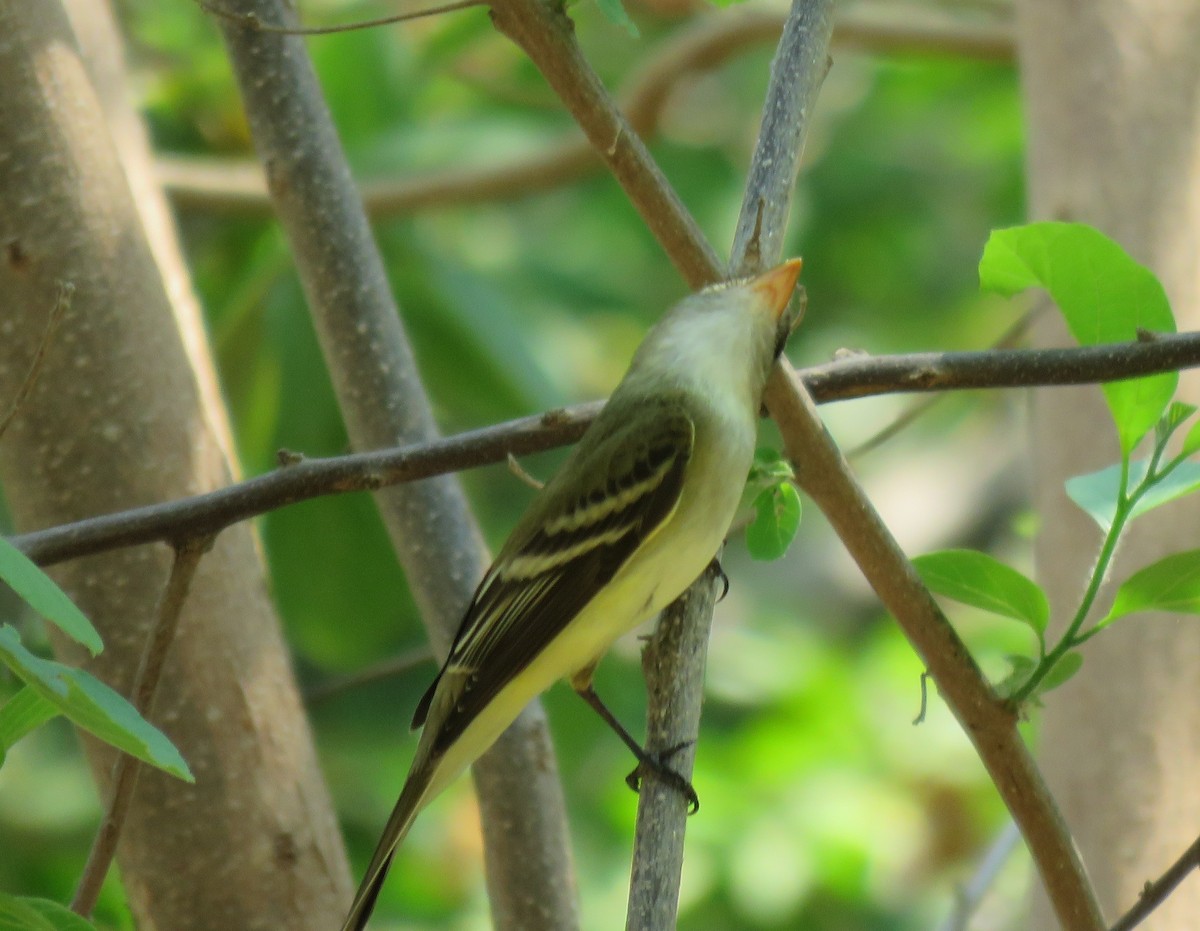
(823, 806)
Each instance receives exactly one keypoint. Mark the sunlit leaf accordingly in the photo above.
(776, 520)
(1177, 412)
(39, 591)
(980, 580)
(1171, 584)
(1191, 442)
(92, 705)
(1104, 295)
(1097, 492)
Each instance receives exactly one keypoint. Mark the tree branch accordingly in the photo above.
(61, 303)
(845, 379)
(990, 724)
(383, 402)
(145, 685)
(239, 185)
(1156, 892)
(673, 667)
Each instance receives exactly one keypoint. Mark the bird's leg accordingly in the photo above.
(652, 763)
(716, 567)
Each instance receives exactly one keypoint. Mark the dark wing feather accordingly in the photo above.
(562, 553)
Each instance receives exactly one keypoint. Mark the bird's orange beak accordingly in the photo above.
(776, 286)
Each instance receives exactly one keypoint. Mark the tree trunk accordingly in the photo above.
(1112, 93)
(119, 418)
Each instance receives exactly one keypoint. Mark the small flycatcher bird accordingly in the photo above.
(633, 517)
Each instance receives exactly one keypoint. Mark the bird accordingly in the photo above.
(636, 513)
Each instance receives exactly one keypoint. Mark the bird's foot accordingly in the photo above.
(716, 567)
(655, 765)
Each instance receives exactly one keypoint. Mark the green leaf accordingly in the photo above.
(615, 13)
(1068, 664)
(776, 520)
(39, 591)
(1191, 442)
(1022, 668)
(770, 465)
(27, 914)
(1171, 584)
(980, 580)
(1104, 295)
(1097, 492)
(92, 705)
(24, 712)
(1177, 413)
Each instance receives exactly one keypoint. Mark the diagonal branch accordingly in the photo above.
(824, 473)
(145, 685)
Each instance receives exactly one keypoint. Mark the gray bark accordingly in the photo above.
(1113, 101)
(119, 418)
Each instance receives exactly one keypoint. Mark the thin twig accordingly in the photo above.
(515, 467)
(211, 183)
(65, 290)
(376, 672)
(1155, 893)
(252, 21)
(970, 896)
(857, 377)
(127, 768)
(911, 414)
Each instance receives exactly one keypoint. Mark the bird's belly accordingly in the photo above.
(668, 563)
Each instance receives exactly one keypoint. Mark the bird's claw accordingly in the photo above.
(716, 567)
(655, 764)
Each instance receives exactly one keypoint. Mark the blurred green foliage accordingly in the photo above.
(823, 808)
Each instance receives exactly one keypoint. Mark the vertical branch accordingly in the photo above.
(675, 677)
(673, 664)
(383, 403)
(797, 71)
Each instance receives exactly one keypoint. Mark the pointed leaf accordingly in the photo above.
(24, 712)
(980, 580)
(1022, 667)
(92, 705)
(776, 520)
(1177, 412)
(616, 14)
(39, 591)
(28, 914)
(1068, 664)
(1097, 492)
(1171, 584)
(1191, 442)
(1104, 295)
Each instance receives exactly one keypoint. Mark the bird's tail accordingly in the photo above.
(412, 798)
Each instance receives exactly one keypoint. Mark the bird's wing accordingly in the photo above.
(573, 541)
